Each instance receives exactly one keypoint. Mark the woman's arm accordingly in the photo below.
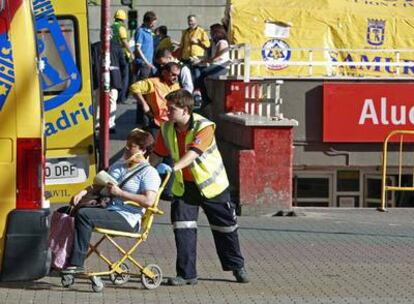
(77, 197)
(145, 200)
(222, 48)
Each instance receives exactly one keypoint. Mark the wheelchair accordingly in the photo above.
(118, 271)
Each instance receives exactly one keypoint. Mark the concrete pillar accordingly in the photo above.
(257, 151)
(259, 162)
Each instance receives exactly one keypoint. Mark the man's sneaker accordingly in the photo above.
(241, 275)
(180, 281)
(73, 270)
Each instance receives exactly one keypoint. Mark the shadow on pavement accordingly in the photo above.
(29, 285)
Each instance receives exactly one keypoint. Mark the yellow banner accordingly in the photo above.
(339, 37)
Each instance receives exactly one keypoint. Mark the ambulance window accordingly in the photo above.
(60, 63)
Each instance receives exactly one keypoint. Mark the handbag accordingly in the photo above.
(62, 229)
(95, 198)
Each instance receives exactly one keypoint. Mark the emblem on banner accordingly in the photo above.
(376, 32)
(275, 54)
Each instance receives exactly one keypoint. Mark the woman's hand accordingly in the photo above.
(75, 200)
(114, 190)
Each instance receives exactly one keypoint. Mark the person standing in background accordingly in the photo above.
(120, 37)
(194, 42)
(144, 46)
(164, 41)
(118, 67)
(144, 52)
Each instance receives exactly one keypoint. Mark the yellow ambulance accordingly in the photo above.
(23, 210)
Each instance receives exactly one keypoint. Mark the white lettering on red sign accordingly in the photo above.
(385, 114)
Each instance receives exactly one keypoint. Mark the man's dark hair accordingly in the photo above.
(191, 16)
(181, 99)
(163, 30)
(169, 66)
(162, 53)
(149, 17)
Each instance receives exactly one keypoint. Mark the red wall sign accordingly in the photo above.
(366, 112)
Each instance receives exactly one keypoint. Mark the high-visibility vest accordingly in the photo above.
(207, 169)
(116, 38)
(115, 27)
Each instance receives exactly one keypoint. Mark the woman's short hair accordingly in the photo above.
(219, 31)
(143, 139)
(181, 99)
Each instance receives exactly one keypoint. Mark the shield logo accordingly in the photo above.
(275, 54)
(376, 32)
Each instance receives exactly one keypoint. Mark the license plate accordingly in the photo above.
(66, 170)
(63, 169)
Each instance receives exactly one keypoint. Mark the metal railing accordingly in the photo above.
(400, 166)
(239, 62)
(324, 63)
(263, 99)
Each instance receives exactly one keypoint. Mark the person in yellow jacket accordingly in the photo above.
(200, 180)
(194, 41)
(150, 95)
(120, 37)
(120, 33)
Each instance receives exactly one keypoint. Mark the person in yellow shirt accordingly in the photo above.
(150, 95)
(164, 41)
(194, 41)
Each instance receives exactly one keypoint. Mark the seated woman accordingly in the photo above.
(217, 64)
(141, 188)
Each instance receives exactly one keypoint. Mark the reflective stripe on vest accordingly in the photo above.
(213, 177)
(206, 153)
(208, 169)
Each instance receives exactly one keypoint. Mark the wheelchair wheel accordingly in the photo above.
(122, 277)
(97, 284)
(154, 282)
(67, 280)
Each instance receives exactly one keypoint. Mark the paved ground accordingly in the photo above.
(323, 256)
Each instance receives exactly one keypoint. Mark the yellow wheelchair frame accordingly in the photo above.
(119, 273)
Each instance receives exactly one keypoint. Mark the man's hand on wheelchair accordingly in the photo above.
(163, 169)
